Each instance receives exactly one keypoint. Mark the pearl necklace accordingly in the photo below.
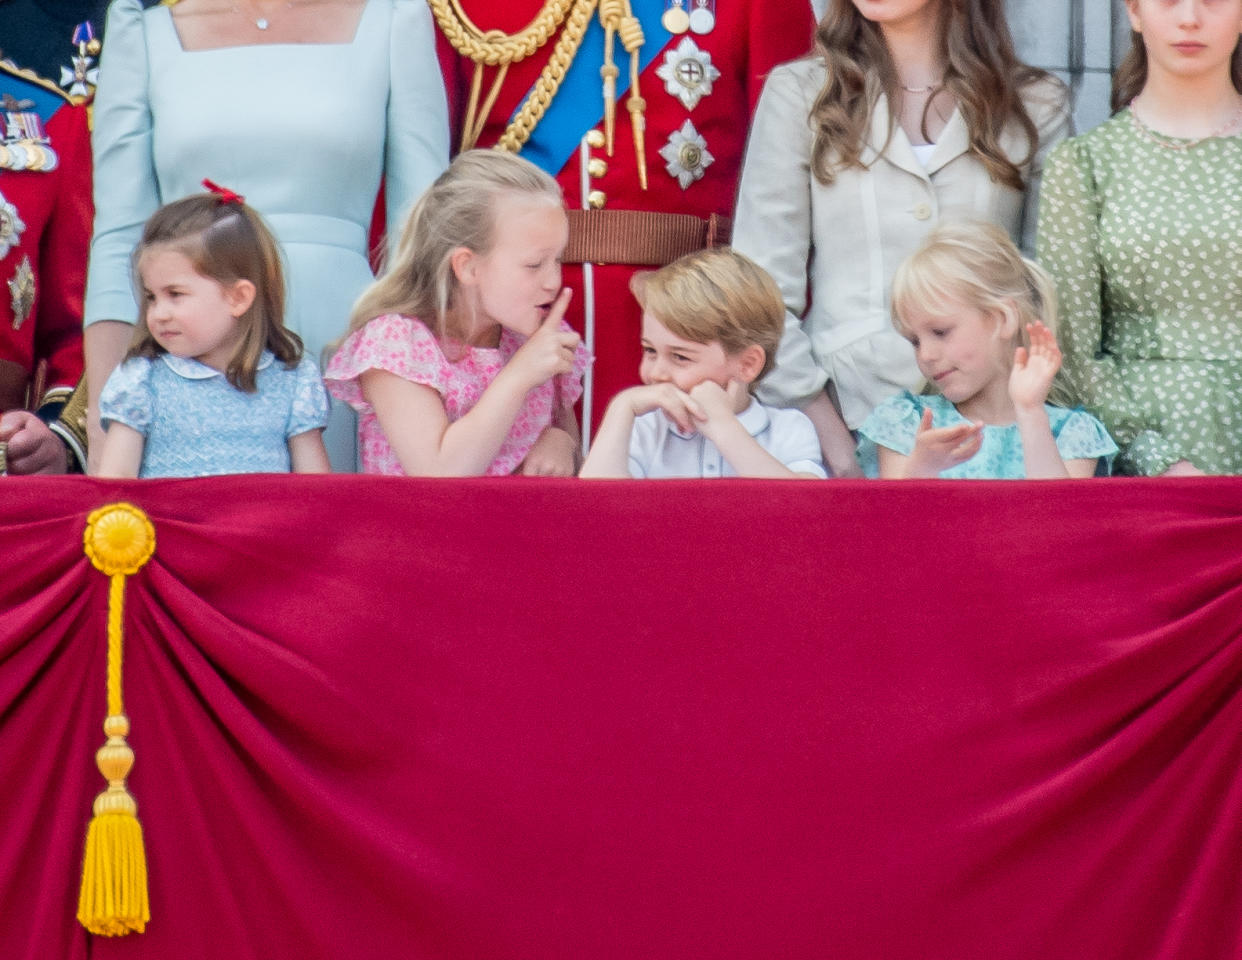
(1180, 143)
(934, 85)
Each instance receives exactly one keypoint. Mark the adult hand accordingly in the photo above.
(1183, 468)
(32, 447)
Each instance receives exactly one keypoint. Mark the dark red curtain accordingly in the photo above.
(384, 718)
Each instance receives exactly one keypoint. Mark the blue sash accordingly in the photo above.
(579, 103)
(45, 102)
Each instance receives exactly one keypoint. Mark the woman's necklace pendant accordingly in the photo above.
(261, 23)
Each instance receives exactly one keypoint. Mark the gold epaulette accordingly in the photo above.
(23, 73)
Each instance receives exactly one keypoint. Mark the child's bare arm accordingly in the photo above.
(1029, 383)
(121, 456)
(610, 450)
(307, 453)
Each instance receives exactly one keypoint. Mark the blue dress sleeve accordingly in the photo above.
(126, 191)
(310, 400)
(418, 132)
(892, 424)
(1080, 436)
(127, 396)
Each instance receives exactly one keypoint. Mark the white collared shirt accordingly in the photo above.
(658, 450)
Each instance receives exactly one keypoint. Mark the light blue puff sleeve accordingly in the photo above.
(126, 192)
(892, 424)
(127, 396)
(1082, 437)
(309, 410)
(417, 149)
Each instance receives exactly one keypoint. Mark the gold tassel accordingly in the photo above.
(119, 539)
(631, 32)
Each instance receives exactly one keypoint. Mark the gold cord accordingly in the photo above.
(494, 48)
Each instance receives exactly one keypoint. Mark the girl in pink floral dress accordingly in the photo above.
(457, 359)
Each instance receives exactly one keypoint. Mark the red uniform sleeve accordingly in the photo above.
(63, 251)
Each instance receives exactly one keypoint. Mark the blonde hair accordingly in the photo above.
(975, 264)
(716, 295)
(981, 71)
(225, 241)
(457, 210)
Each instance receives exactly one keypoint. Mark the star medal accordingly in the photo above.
(22, 292)
(686, 156)
(11, 227)
(80, 77)
(703, 17)
(688, 73)
(675, 19)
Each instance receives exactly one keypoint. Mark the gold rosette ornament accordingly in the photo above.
(119, 539)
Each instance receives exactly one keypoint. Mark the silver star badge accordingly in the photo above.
(11, 227)
(81, 79)
(685, 155)
(688, 73)
(22, 292)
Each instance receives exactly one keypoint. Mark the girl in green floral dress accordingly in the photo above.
(1141, 226)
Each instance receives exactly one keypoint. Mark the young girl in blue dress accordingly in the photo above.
(213, 383)
(980, 318)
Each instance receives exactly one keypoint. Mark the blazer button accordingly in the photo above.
(922, 211)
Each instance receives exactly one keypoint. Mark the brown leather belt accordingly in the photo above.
(640, 237)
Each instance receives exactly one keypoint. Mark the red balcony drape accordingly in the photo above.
(381, 718)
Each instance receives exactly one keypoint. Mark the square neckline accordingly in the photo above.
(181, 48)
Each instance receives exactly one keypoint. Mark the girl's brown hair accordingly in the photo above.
(1131, 75)
(226, 241)
(981, 71)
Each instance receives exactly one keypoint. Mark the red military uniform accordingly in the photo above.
(45, 225)
(699, 88)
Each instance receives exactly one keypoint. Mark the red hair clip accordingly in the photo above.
(224, 193)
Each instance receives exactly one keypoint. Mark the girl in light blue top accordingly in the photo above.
(213, 382)
(980, 318)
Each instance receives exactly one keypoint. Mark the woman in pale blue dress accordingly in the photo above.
(302, 107)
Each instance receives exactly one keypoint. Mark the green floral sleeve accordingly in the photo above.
(1068, 247)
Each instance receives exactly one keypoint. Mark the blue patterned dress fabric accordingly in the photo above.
(197, 424)
(894, 423)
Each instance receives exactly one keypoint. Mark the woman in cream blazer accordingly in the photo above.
(833, 247)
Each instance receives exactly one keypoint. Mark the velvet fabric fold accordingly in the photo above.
(378, 717)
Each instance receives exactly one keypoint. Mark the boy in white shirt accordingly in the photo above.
(711, 324)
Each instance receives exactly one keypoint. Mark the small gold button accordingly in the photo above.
(595, 138)
(596, 167)
(596, 199)
(922, 211)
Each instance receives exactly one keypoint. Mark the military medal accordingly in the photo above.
(702, 18)
(675, 19)
(686, 156)
(22, 292)
(79, 78)
(25, 145)
(11, 227)
(688, 73)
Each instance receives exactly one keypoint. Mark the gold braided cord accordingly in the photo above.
(536, 104)
(611, 13)
(493, 47)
